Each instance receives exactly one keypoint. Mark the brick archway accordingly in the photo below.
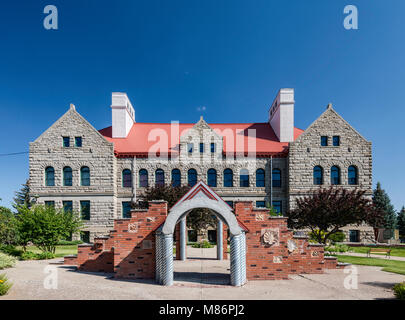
(200, 196)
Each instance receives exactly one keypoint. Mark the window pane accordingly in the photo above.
(190, 147)
(192, 177)
(276, 178)
(212, 147)
(324, 141)
(67, 206)
(228, 178)
(49, 177)
(143, 178)
(159, 177)
(212, 178)
(277, 207)
(78, 141)
(336, 141)
(318, 175)
(126, 209)
(260, 204)
(67, 176)
(66, 142)
(50, 203)
(201, 147)
(335, 175)
(126, 178)
(85, 236)
(85, 210)
(176, 178)
(244, 178)
(85, 176)
(352, 175)
(260, 180)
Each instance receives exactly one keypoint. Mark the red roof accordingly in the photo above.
(137, 142)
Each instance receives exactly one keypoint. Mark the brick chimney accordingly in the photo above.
(123, 115)
(281, 115)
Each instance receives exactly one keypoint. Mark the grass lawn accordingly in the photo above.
(387, 264)
(61, 251)
(397, 252)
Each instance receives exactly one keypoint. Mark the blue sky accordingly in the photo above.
(230, 56)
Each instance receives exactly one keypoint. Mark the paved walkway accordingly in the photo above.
(195, 279)
(355, 254)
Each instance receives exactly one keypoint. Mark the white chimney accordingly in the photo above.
(123, 115)
(281, 115)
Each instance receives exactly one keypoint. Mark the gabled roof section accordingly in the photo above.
(329, 109)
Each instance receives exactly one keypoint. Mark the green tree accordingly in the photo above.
(22, 197)
(329, 210)
(200, 220)
(8, 227)
(45, 226)
(165, 192)
(401, 222)
(382, 201)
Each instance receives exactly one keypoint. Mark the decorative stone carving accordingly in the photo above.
(277, 259)
(270, 237)
(150, 219)
(133, 227)
(259, 217)
(292, 246)
(314, 253)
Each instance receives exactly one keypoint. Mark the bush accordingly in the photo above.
(29, 255)
(5, 285)
(6, 261)
(337, 237)
(10, 250)
(68, 242)
(337, 248)
(399, 290)
(203, 244)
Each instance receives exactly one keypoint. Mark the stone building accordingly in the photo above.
(99, 172)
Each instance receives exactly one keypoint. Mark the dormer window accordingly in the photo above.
(201, 147)
(324, 141)
(190, 147)
(78, 142)
(336, 141)
(66, 142)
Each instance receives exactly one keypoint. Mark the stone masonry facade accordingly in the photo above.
(107, 193)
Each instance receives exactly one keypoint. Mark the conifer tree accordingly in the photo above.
(382, 201)
(22, 197)
(401, 223)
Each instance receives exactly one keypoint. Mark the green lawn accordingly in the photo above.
(396, 252)
(61, 251)
(387, 264)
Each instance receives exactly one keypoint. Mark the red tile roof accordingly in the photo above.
(137, 142)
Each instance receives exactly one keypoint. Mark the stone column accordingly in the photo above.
(167, 260)
(183, 239)
(220, 240)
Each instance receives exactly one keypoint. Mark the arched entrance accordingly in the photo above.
(200, 196)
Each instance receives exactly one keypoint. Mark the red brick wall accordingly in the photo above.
(264, 261)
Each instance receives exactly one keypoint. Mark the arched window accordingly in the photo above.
(176, 178)
(334, 175)
(244, 178)
(212, 177)
(126, 178)
(276, 178)
(159, 177)
(260, 180)
(352, 175)
(49, 176)
(143, 178)
(318, 175)
(192, 177)
(67, 176)
(228, 178)
(85, 176)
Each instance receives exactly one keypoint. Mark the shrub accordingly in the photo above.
(337, 237)
(69, 242)
(6, 261)
(45, 255)
(337, 248)
(29, 255)
(399, 290)
(5, 285)
(203, 244)
(10, 250)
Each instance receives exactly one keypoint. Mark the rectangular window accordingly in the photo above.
(277, 205)
(201, 147)
(190, 147)
(354, 235)
(78, 142)
(336, 141)
(66, 142)
(230, 203)
(85, 210)
(85, 236)
(324, 141)
(260, 204)
(67, 206)
(126, 209)
(50, 203)
(212, 147)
